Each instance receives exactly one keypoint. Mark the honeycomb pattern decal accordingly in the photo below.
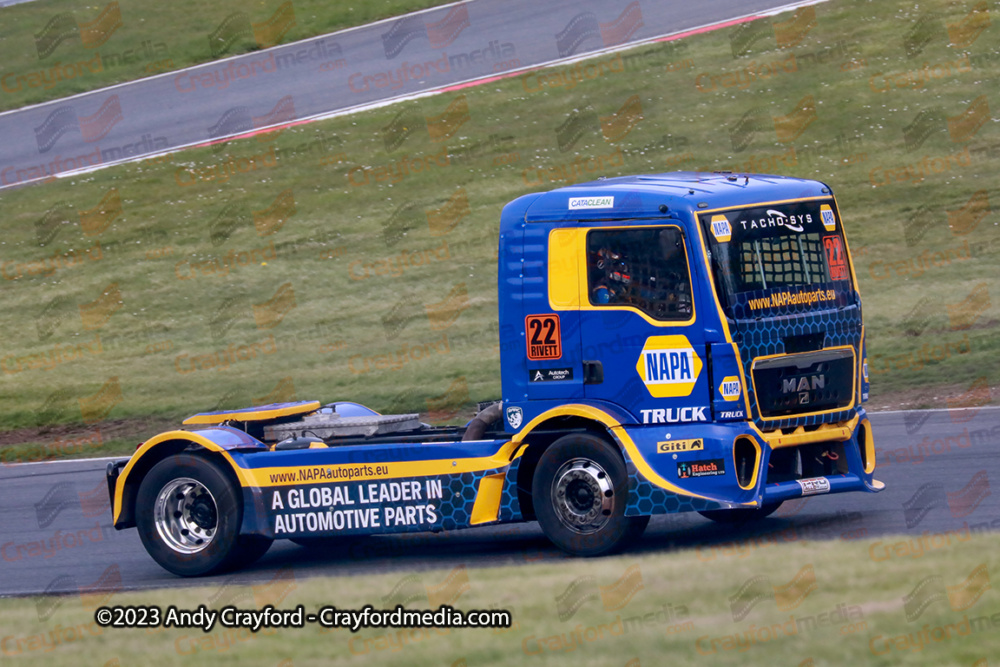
(510, 507)
(765, 337)
(459, 497)
(644, 497)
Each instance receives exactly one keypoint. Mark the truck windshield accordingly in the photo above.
(779, 258)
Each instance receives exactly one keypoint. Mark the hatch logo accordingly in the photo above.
(721, 229)
(730, 388)
(668, 366)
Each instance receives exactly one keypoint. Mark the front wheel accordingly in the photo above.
(580, 490)
(741, 514)
(188, 514)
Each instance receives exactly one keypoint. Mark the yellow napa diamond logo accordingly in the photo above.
(668, 366)
(721, 229)
(829, 219)
(730, 388)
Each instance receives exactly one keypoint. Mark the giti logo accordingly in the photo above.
(730, 388)
(721, 229)
(828, 218)
(680, 446)
(668, 366)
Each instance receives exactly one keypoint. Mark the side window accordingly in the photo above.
(644, 268)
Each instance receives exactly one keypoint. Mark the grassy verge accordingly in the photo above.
(818, 604)
(131, 40)
(356, 258)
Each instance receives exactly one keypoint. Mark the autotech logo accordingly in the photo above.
(584, 28)
(237, 26)
(91, 128)
(440, 33)
(238, 120)
(92, 34)
(932, 589)
(759, 588)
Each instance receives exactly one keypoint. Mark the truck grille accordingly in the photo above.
(802, 383)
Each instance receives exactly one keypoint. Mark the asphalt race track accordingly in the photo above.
(348, 69)
(937, 466)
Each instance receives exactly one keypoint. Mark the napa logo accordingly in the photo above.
(721, 229)
(828, 218)
(730, 388)
(668, 366)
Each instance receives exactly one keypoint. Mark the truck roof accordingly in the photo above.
(642, 196)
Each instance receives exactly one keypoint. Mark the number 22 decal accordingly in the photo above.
(543, 336)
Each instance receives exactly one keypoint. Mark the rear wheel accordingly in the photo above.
(741, 514)
(188, 514)
(580, 490)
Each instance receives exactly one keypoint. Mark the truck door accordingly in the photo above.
(643, 348)
(552, 366)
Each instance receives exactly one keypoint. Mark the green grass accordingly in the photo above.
(156, 37)
(507, 147)
(845, 609)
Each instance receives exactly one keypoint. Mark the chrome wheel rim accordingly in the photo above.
(186, 515)
(582, 496)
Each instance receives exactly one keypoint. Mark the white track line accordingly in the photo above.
(707, 27)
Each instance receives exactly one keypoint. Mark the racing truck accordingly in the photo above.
(669, 343)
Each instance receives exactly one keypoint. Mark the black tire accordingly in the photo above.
(579, 492)
(741, 514)
(249, 550)
(186, 498)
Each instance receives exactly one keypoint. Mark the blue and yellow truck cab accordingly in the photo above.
(669, 343)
